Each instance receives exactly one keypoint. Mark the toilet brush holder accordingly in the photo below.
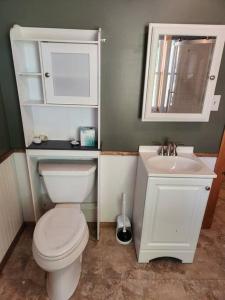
(122, 237)
(123, 228)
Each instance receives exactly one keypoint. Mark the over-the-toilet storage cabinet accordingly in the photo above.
(58, 81)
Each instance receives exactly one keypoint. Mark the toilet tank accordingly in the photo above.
(69, 182)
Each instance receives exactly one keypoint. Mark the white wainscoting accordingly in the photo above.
(11, 217)
(24, 186)
(118, 174)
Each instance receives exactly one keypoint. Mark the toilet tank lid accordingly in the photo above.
(69, 168)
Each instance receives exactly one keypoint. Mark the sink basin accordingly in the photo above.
(185, 164)
(173, 164)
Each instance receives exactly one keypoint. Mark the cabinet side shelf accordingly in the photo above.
(29, 74)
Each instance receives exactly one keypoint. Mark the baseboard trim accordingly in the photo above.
(11, 247)
(108, 224)
(29, 224)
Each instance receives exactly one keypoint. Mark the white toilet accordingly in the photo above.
(61, 234)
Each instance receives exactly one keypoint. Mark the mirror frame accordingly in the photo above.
(154, 31)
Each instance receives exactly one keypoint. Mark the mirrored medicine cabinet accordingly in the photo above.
(182, 67)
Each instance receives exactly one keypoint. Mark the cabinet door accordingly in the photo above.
(174, 211)
(70, 72)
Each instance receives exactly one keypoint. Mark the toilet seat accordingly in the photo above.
(59, 231)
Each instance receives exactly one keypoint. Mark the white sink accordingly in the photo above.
(174, 164)
(185, 164)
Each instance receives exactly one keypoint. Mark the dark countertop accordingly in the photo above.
(60, 145)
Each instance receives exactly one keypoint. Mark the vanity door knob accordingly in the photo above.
(212, 77)
(207, 188)
(47, 75)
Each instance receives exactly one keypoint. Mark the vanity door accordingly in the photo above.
(70, 73)
(173, 215)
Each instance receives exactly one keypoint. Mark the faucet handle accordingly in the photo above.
(169, 149)
(174, 149)
(162, 150)
(165, 147)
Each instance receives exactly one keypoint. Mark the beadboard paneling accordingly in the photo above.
(118, 175)
(10, 209)
(24, 186)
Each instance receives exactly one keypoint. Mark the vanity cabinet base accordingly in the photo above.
(167, 215)
(146, 256)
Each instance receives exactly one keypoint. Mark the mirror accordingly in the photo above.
(181, 73)
(178, 72)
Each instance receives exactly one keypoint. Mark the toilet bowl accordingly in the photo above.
(61, 234)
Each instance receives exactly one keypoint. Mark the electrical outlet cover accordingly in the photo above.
(215, 103)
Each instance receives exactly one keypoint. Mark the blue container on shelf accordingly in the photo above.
(87, 136)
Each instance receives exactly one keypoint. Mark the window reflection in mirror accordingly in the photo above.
(180, 73)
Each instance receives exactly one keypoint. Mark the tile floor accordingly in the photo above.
(110, 271)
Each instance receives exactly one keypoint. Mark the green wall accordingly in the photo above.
(124, 24)
(4, 134)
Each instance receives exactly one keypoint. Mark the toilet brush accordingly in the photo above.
(123, 230)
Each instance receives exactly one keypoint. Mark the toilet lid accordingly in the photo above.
(59, 230)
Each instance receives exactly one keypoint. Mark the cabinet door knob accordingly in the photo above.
(207, 188)
(212, 77)
(47, 75)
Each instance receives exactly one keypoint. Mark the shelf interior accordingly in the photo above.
(58, 123)
(30, 89)
(27, 56)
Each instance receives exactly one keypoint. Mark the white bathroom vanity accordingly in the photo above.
(170, 199)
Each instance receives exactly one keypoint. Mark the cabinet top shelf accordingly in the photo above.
(54, 34)
(55, 41)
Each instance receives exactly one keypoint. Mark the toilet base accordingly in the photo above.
(61, 284)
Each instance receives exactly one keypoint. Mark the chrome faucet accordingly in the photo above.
(168, 150)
